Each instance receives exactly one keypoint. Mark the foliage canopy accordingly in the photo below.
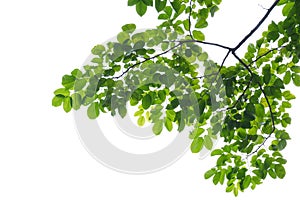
(157, 71)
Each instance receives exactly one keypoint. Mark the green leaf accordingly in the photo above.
(168, 124)
(287, 8)
(209, 173)
(67, 104)
(288, 95)
(216, 178)
(222, 176)
(267, 74)
(132, 2)
(141, 8)
(198, 35)
(272, 173)
(57, 101)
(216, 152)
(141, 121)
(176, 4)
(160, 5)
(157, 127)
(98, 50)
(280, 171)
(68, 81)
(79, 84)
(296, 79)
(273, 35)
(148, 2)
(202, 23)
(122, 111)
(93, 110)
(287, 78)
(76, 73)
(76, 101)
(296, 69)
(147, 101)
(162, 95)
(246, 182)
(260, 110)
(281, 145)
(62, 91)
(197, 145)
(122, 37)
(236, 191)
(208, 143)
(130, 28)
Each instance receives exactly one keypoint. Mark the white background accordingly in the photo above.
(41, 156)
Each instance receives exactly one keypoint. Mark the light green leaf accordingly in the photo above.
(79, 84)
(93, 110)
(168, 124)
(198, 35)
(141, 121)
(122, 37)
(130, 28)
(209, 173)
(216, 152)
(76, 101)
(62, 91)
(208, 143)
(57, 101)
(287, 8)
(67, 104)
(158, 127)
(197, 145)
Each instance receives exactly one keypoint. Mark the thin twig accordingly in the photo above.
(190, 21)
(147, 59)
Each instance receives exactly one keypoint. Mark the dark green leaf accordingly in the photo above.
(176, 4)
(141, 8)
(132, 2)
(160, 5)
(280, 171)
(147, 101)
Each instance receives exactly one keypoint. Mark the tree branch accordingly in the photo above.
(257, 26)
(136, 64)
